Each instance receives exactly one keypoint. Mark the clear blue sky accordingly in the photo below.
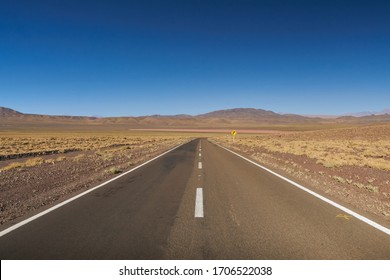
(120, 58)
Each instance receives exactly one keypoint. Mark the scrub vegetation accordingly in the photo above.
(365, 146)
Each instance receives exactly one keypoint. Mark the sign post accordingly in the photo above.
(234, 134)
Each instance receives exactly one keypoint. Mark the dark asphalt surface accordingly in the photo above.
(149, 214)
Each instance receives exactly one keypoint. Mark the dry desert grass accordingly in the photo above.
(365, 146)
(36, 144)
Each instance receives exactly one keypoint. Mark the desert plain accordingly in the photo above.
(45, 160)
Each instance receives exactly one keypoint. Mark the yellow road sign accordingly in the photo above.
(234, 132)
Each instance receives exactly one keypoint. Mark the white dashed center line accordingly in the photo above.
(199, 203)
(200, 165)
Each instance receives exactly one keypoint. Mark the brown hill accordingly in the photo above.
(241, 113)
(7, 112)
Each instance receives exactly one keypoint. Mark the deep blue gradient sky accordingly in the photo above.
(120, 58)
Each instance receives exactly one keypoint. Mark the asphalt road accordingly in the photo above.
(198, 201)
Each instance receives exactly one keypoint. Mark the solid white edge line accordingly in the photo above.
(199, 203)
(22, 223)
(350, 212)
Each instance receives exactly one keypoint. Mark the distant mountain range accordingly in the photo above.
(359, 114)
(239, 117)
(362, 114)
